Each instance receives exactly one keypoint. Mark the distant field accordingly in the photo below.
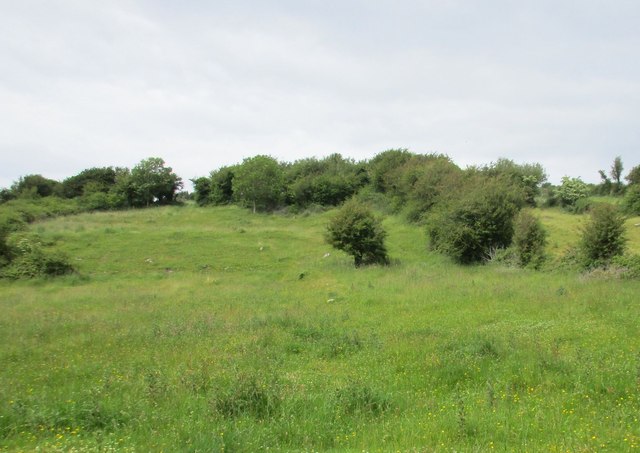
(212, 329)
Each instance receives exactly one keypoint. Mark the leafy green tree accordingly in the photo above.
(634, 176)
(6, 195)
(31, 186)
(529, 240)
(222, 185)
(423, 182)
(327, 182)
(616, 173)
(99, 180)
(477, 221)
(356, 231)
(151, 182)
(605, 187)
(603, 237)
(571, 190)
(202, 190)
(383, 164)
(259, 183)
(528, 176)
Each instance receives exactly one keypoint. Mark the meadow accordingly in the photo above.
(215, 329)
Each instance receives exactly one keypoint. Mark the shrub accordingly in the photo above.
(631, 202)
(581, 206)
(259, 183)
(529, 240)
(571, 190)
(29, 258)
(603, 236)
(628, 264)
(9, 223)
(358, 232)
(476, 222)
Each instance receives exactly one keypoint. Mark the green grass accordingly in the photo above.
(217, 330)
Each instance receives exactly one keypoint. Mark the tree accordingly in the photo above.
(425, 181)
(259, 183)
(222, 185)
(529, 176)
(326, 182)
(603, 237)
(605, 187)
(99, 180)
(356, 231)
(634, 176)
(202, 190)
(477, 221)
(383, 164)
(616, 173)
(529, 239)
(571, 190)
(35, 186)
(151, 182)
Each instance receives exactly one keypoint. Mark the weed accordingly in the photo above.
(248, 395)
(357, 398)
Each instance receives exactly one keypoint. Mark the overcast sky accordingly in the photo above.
(207, 83)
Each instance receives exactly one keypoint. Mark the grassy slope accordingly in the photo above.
(211, 329)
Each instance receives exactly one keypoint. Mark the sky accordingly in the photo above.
(204, 84)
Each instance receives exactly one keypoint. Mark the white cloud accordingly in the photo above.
(206, 84)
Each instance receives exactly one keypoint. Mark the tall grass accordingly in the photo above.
(218, 330)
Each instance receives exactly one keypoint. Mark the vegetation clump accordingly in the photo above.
(26, 256)
(476, 222)
(571, 191)
(631, 201)
(259, 183)
(603, 237)
(529, 240)
(356, 231)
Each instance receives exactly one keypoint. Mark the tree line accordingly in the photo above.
(148, 183)
(469, 214)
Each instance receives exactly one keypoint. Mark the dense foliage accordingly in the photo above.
(634, 176)
(529, 239)
(259, 183)
(603, 237)
(469, 213)
(571, 191)
(631, 201)
(358, 232)
(475, 223)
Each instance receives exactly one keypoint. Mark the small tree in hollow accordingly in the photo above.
(603, 237)
(358, 232)
(529, 239)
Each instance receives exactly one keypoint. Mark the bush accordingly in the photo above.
(603, 236)
(358, 232)
(476, 222)
(628, 264)
(571, 190)
(581, 206)
(631, 202)
(28, 258)
(259, 183)
(529, 240)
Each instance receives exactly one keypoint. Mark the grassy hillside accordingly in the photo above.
(218, 330)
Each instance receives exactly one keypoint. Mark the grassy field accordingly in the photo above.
(193, 329)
